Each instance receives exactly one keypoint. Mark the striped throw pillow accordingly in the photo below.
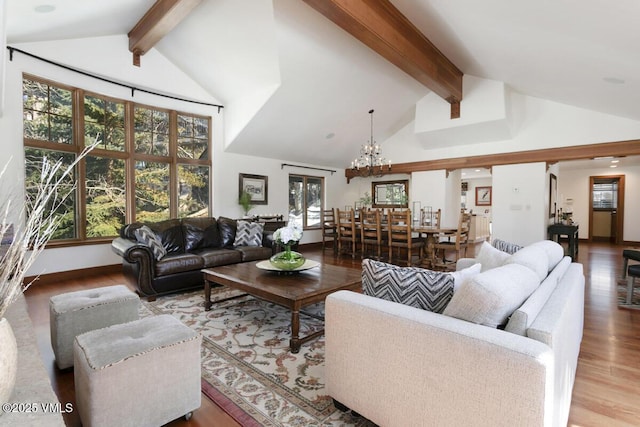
(248, 234)
(147, 237)
(413, 286)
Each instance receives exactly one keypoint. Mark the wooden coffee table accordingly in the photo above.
(293, 291)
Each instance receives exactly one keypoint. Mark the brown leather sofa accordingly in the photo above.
(191, 244)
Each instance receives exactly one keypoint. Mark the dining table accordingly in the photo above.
(431, 233)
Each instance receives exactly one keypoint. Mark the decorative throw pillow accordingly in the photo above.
(504, 246)
(248, 234)
(416, 287)
(490, 257)
(492, 296)
(147, 237)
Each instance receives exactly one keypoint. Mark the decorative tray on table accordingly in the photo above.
(266, 265)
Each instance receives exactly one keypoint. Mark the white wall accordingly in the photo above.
(574, 184)
(519, 194)
(425, 188)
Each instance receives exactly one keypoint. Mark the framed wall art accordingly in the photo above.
(483, 196)
(256, 186)
(553, 195)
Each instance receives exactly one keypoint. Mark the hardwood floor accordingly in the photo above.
(607, 387)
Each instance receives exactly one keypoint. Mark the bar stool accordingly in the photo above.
(632, 273)
(628, 254)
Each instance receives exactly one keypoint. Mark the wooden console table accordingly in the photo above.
(556, 231)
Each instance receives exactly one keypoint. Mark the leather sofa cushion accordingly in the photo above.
(253, 253)
(200, 233)
(215, 257)
(170, 232)
(178, 263)
(227, 228)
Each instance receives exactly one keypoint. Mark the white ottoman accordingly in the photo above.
(141, 373)
(74, 313)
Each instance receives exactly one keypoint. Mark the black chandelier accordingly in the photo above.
(370, 162)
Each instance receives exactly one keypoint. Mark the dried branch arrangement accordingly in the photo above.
(37, 222)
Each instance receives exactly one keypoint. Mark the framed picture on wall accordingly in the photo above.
(483, 196)
(553, 195)
(257, 186)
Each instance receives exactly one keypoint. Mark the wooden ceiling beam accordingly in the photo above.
(159, 20)
(548, 155)
(382, 27)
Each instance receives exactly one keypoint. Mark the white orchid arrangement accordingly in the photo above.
(287, 235)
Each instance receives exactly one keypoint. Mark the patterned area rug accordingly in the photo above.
(247, 368)
(622, 295)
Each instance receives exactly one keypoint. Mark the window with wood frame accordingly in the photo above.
(150, 163)
(306, 195)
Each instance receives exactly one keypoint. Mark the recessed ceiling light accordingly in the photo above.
(615, 161)
(613, 166)
(614, 80)
(44, 8)
(477, 170)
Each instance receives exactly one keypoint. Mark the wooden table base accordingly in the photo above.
(292, 292)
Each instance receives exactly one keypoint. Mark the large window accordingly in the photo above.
(150, 163)
(306, 194)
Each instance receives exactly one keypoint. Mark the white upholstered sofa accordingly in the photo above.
(403, 366)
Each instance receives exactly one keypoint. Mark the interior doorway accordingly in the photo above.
(606, 208)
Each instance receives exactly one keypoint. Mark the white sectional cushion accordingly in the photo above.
(554, 251)
(490, 257)
(524, 316)
(533, 257)
(490, 297)
(465, 274)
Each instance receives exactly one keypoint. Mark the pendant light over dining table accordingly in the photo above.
(371, 162)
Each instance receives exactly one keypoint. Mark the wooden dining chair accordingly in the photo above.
(347, 235)
(456, 241)
(329, 229)
(371, 236)
(400, 237)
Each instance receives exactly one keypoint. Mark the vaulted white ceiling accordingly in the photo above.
(297, 87)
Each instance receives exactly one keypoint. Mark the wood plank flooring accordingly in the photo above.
(607, 387)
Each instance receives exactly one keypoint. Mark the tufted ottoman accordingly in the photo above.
(141, 373)
(74, 313)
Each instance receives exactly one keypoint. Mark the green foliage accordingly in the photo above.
(245, 201)
(366, 199)
(48, 117)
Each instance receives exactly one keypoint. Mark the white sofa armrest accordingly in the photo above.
(399, 366)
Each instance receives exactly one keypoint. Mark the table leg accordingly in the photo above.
(207, 295)
(295, 342)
